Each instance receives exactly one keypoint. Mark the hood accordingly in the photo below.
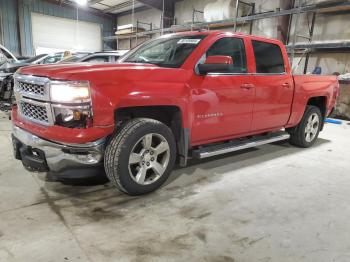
(65, 71)
(11, 67)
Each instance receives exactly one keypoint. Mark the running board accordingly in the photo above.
(239, 144)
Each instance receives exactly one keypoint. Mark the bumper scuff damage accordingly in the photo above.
(44, 155)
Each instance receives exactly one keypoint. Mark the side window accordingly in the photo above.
(52, 59)
(97, 59)
(268, 58)
(230, 46)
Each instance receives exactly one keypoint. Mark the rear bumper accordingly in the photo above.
(44, 155)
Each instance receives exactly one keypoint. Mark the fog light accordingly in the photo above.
(77, 115)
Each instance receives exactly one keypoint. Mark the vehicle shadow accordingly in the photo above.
(100, 198)
(221, 163)
(242, 158)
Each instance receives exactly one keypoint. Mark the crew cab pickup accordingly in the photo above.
(180, 96)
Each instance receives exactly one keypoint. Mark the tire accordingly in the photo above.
(140, 157)
(306, 132)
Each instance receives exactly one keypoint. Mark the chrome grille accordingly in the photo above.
(31, 88)
(34, 112)
(33, 99)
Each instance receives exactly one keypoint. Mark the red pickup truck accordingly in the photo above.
(180, 96)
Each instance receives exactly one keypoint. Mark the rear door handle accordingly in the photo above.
(287, 85)
(247, 86)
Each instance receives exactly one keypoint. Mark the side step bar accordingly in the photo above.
(239, 144)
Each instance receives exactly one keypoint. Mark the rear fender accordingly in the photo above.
(308, 88)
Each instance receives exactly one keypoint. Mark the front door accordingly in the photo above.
(222, 103)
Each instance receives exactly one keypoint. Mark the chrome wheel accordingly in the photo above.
(149, 159)
(312, 127)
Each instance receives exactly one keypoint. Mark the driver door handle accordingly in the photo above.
(286, 85)
(247, 86)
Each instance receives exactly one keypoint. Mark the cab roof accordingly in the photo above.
(222, 32)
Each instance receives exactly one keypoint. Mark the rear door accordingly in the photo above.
(273, 87)
(223, 101)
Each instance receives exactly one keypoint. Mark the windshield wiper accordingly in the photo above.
(140, 62)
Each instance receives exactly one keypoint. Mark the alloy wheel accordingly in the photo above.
(149, 159)
(312, 127)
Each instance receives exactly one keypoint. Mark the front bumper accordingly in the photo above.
(44, 155)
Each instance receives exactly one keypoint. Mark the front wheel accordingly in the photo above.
(140, 157)
(306, 133)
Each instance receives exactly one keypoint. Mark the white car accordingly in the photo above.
(98, 57)
(6, 56)
(54, 58)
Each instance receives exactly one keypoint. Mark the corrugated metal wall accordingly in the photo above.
(8, 25)
(8, 15)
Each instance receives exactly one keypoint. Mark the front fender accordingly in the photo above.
(158, 94)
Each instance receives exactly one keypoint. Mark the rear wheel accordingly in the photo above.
(306, 133)
(140, 157)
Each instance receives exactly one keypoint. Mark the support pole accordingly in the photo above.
(252, 22)
(19, 29)
(284, 21)
(311, 34)
(193, 11)
(163, 9)
(137, 30)
(236, 16)
(296, 25)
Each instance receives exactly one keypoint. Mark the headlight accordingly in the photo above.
(71, 103)
(73, 116)
(70, 91)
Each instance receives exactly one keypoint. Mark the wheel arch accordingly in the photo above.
(321, 103)
(170, 115)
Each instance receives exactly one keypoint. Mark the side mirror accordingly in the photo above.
(218, 64)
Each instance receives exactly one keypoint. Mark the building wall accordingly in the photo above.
(10, 14)
(327, 28)
(183, 15)
(329, 63)
(265, 27)
(148, 16)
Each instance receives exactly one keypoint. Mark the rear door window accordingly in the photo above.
(268, 58)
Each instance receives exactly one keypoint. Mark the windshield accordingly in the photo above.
(166, 52)
(33, 59)
(71, 59)
(74, 58)
(5, 57)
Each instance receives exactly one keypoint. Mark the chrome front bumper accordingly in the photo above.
(59, 157)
